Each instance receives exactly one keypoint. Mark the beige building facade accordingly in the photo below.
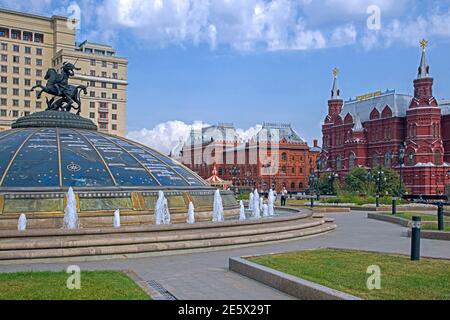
(30, 44)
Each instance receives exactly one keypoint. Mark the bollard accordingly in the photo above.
(441, 217)
(415, 239)
(378, 200)
(394, 205)
(312, 201)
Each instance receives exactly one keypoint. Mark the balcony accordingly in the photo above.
(103, 109)
(103, 120)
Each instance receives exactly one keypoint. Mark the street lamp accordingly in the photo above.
(401, 161)
(331, 178)
(379, 179)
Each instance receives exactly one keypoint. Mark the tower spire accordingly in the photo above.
(335, 92)
(358, 126)
(424, 69)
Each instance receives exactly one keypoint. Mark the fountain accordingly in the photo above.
(70, 213)
(117, 219)
(271, 202)
(191, 214)
(242, 216)
(22, 223)
(256, 211)
(250, 202)
(218, 207)
(162, 213)
(265, 210)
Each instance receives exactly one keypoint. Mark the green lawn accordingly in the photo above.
(435, 227)
(425, 217)
(107, 285)
(345, 270)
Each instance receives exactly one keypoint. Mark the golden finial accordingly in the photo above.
(335, 72)
(424, 44)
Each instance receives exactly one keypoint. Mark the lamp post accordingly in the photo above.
(331, 178)
(401, 161)
(379, 179)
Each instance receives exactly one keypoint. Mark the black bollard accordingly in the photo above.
(394, 205)
(441, 217)
(312, 201)
(378, 200)
(415, 238)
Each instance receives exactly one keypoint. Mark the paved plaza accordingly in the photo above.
(205, 275)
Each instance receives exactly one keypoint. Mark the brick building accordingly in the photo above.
(372, 129)
(275, 157)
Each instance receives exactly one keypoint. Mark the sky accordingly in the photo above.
(199, 62)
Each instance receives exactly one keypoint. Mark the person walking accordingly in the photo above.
(284, 194)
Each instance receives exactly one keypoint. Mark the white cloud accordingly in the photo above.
(165, 136)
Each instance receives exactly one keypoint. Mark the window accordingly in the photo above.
(15, 34)
(300, 185)
(103, 115)
(27, 82)
(293, 170)
(104, 85)
(283, 169)
(4, 58)
(3, 90)
(388, 159)
(114, 106)
(114, 75)
(103, 95)
(39, 38)
(16, 70)
(26, 113)
(114, 85)
(92, 94)
(4, 33)
(104, 64)
(92, 84)
(4, 80)
(104, 74)
(292, 185)
(339, 163)
(3, 102)
(15, 92)
(27, 93)
(27, 60)
(92, 73)
(283, 156)
(38, 105)
(4, 46)
(27, 36)
(38, 73)
(103, 105)
(16, 59)
(437, 158)
(114, 127)
(114, 96)
(351, 161)
(3, 113)
(27, 103)
(93, 62)
(28, 50)
(39, 62)
(411, 159)
(16, 81)
(92, 104)
(4, 69)
(103, 126)
(16, 48)
(15, 103)
(38, 51)
(38, 82)
(375, 160)
(15, 113)
(115, 65)
(92, 115)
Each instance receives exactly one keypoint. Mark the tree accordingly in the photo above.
(356, 181)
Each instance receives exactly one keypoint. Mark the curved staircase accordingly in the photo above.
(56, 243)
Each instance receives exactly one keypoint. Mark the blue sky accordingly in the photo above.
(250, 61)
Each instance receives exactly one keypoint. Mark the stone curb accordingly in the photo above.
(391, 219)
(153, 294)
(294, 286)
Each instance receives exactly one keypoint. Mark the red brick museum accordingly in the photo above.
(372, 129)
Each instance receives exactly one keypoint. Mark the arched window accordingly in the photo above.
(283, 169)
(339, 163)
(300, 185)
(293, 185)
(411, 159)
(375, 160)
(437, 158)
(388, 159)
(284, 156)
(351, 161)
(324, 164)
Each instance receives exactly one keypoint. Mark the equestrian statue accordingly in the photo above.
(64, 94)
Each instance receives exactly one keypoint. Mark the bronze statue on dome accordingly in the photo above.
(64, 94)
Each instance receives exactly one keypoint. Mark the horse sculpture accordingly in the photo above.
(65, 95)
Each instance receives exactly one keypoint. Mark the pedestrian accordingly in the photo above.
(284, 194)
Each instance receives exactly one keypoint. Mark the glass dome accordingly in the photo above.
(35, 158)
